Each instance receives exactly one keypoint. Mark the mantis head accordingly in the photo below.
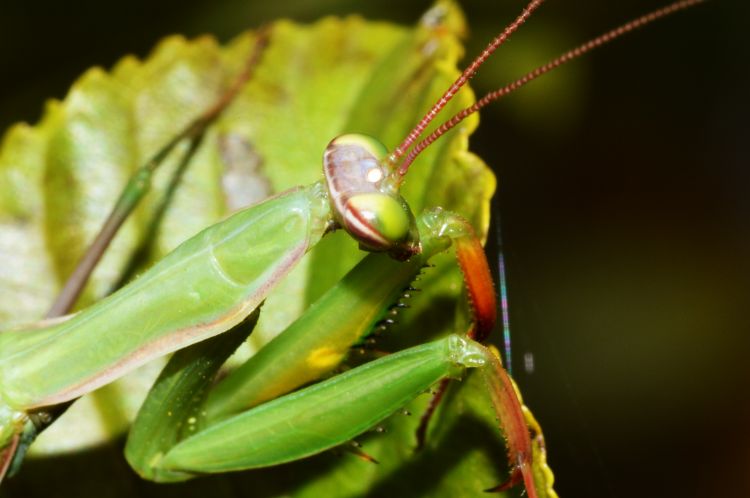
(365, 196)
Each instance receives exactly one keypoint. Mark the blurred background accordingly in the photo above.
(622, 208)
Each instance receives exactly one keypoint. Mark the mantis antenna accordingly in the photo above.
(528, 77)
(468, 73)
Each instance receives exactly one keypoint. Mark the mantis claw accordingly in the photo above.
(424, 421)
(520, 473)
(355, 448)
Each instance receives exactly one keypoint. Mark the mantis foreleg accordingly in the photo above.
(220, 437)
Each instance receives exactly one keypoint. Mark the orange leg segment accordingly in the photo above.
(478, 280)
(483, 303)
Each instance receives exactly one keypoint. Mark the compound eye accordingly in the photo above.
(377, 220)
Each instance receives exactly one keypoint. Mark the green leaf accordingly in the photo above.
(58, 180)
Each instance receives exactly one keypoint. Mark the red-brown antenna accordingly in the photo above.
(566, 57)
(468, 73)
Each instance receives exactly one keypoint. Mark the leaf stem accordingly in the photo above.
(140, 183)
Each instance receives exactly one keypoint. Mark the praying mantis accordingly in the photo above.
(306, 201)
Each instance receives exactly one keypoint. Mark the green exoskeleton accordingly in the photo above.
(216, 281)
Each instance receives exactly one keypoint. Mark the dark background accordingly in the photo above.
(622, 194)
